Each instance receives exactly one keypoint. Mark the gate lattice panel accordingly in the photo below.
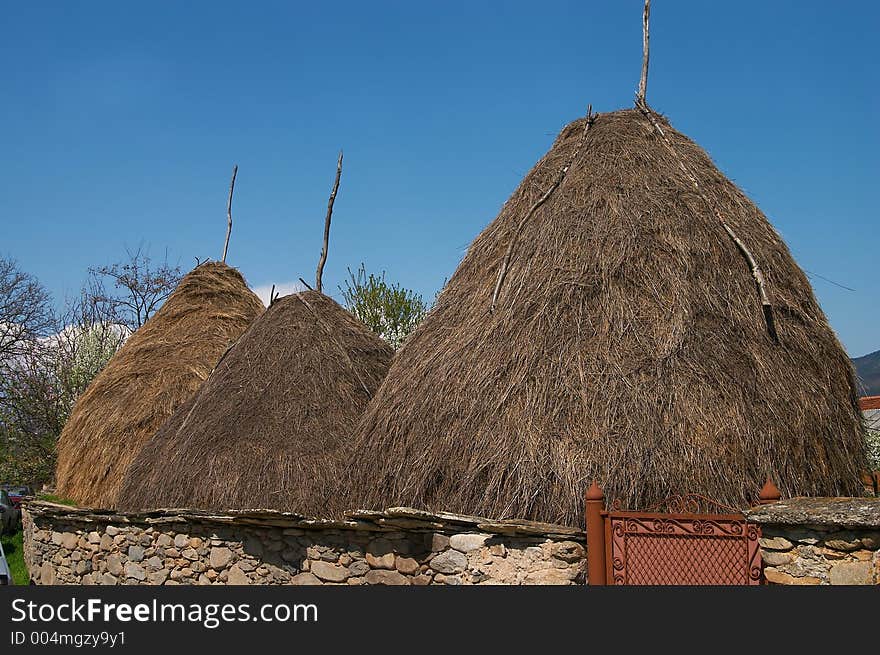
(681, 549)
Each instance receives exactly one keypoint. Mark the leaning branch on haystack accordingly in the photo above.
(306, 284)
(540, 201)
(757, 273)
(229, 212)
(642, 104)
(330, 202)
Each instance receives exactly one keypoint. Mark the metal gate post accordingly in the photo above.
(595, 535)
(769, 493)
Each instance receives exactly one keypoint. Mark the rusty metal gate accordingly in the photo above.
(681, 549)
(677, 547)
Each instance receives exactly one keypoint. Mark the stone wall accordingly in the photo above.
(805, 541)
(815, 541)
(401, 546)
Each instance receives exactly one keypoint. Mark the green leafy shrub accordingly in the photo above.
(389, 310)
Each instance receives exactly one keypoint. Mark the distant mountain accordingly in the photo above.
(868, 370)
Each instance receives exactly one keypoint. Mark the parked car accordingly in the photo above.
(5, 573)
(10, 515)
(19, 493)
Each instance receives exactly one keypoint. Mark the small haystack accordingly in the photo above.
(156, 370)
(628, 344)
(263, 430)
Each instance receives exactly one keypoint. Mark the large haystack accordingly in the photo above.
(263, 430)
(156, 370)
(628, 344)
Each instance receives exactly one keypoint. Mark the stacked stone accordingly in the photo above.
(440, 559)
(820, 541)
(64, 546)
(812, 557)
(112, 555)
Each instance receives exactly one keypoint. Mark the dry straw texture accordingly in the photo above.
(263, 430)
(156, 370)
(628, 345)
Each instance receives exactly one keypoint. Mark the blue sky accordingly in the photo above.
(120, 123)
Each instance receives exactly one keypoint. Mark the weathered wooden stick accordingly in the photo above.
(229, 212)
(537, 204)
(306, 284)
(323, 259)
(755, 268)
(643, 81)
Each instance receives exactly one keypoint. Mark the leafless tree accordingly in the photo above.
(31, 418)
(25, 310)
(139, 287)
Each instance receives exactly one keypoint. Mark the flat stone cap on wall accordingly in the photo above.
(391, 519)
(830, 512)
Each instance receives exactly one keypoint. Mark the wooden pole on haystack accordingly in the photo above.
(323, 259)
(229, 213)
(643, 81)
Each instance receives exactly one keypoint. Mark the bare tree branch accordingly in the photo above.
(323, 259)
(643, 81)
(229, 212)
(25, 310)
(143, 287)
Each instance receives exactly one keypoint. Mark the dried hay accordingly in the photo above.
(264, 429)
(157, 369)
(628, 345)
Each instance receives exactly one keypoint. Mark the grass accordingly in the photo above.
(13, 549)
(56, 499)
(12, 546)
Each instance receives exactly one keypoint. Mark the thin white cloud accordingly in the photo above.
(281, 289)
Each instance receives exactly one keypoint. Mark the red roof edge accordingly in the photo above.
(869, 402)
